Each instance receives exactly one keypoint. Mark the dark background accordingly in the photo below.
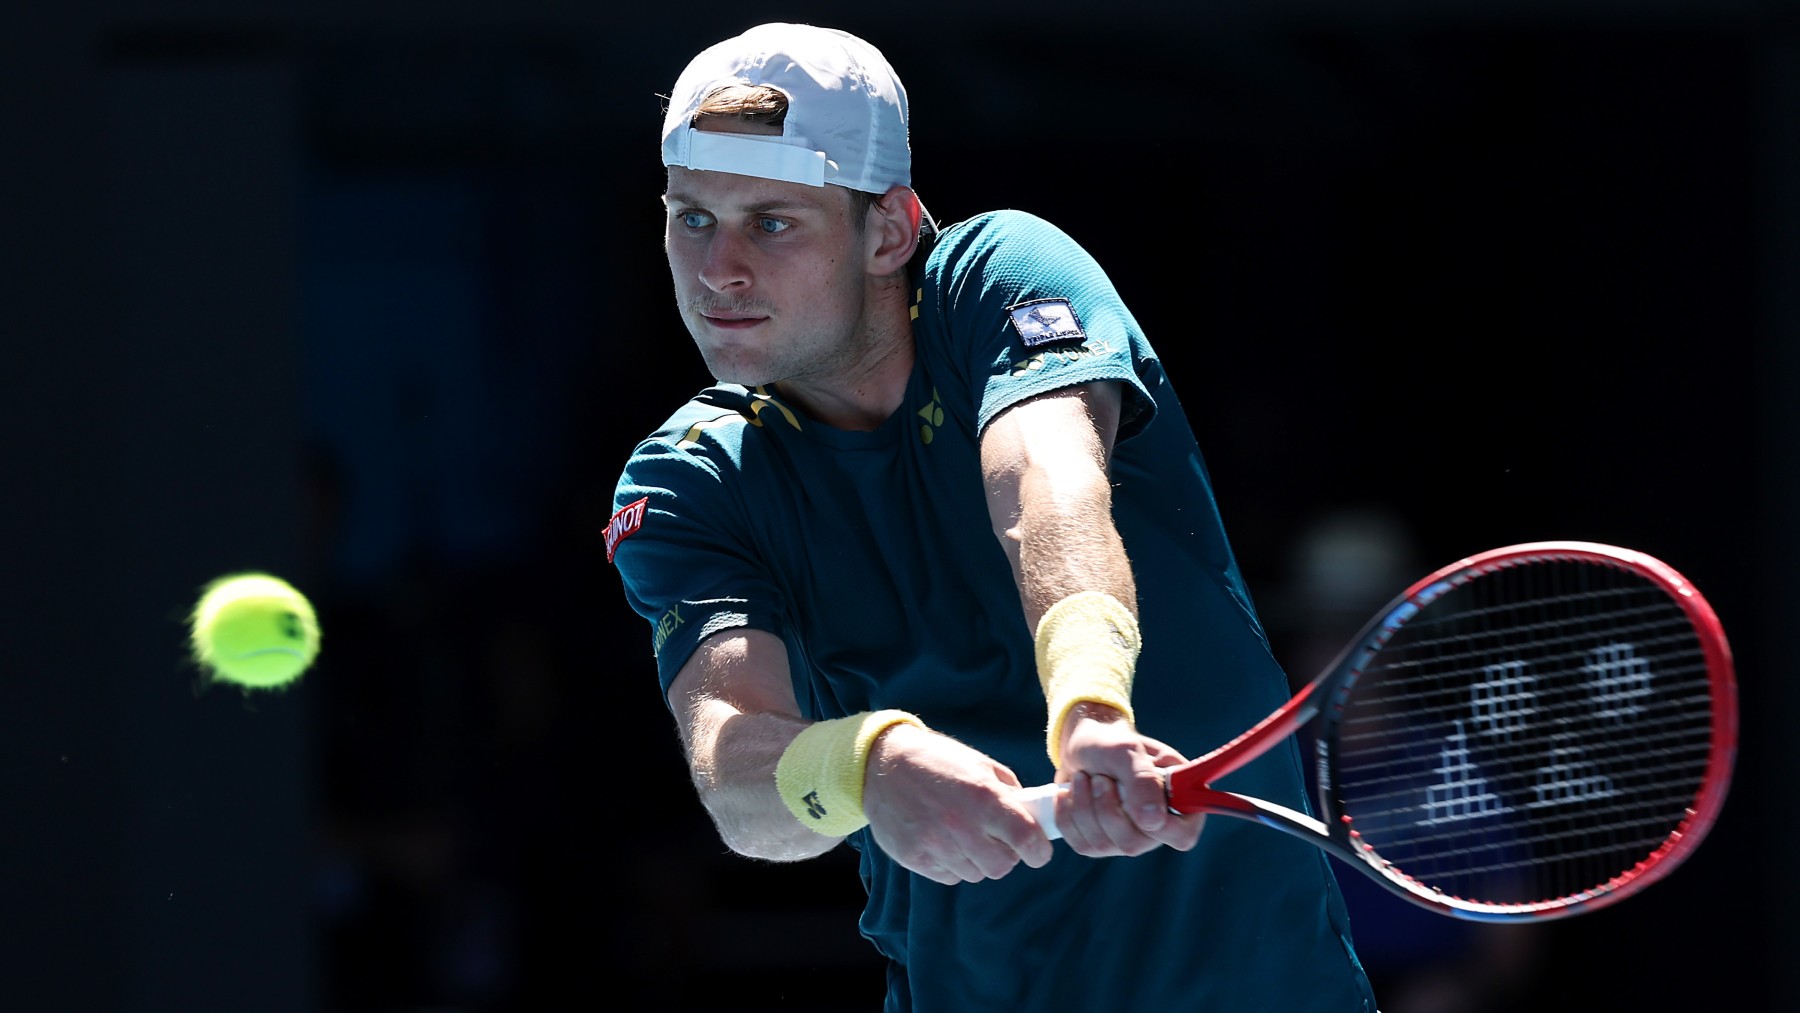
(370, 296)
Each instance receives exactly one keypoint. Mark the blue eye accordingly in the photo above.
(771, 226)
(695, 219)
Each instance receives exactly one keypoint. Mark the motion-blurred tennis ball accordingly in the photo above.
(255, 631)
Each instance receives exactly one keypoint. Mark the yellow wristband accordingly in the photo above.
(820, 773)
(1087, 649)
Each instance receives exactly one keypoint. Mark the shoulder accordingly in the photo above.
(1008, 230)
(713, 402)
(1022, 309)
(715, 420)
(703, 436)
(708, 440)
(684, 475)
(1005, 251)
(997, 265)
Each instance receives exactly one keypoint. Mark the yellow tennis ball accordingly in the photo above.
(255, 631)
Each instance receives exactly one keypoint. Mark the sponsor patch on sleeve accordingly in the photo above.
(624, 524)
(1046, 321)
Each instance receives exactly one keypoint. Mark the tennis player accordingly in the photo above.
(942, 529)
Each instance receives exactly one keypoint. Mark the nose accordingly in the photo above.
(726, 266)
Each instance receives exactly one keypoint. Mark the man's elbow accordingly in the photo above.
(785, 849)
(769, 837)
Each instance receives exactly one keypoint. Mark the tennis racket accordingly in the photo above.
(1532, 732)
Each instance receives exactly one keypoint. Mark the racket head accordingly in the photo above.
(1532, 732)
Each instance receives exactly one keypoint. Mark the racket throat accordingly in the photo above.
(1226, 803)
(1197, 774)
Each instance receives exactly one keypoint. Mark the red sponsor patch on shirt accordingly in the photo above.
(624, 524)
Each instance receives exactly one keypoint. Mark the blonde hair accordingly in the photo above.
(750, 104)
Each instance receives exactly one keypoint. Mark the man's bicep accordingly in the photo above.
(1068, 430)
(1046, 463)
(737, 671)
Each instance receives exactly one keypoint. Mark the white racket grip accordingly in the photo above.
(1041, 800)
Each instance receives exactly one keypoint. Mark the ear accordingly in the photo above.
(892, 230)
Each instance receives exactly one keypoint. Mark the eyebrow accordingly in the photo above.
(674, 196)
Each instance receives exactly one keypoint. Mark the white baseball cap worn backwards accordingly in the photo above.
(846, 118)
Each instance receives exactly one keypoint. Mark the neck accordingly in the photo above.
(866, 387)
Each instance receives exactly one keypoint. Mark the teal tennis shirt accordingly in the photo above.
(872, 556)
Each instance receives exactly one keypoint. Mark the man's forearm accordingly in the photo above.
(1068, 543)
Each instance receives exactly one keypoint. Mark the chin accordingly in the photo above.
(742, 374)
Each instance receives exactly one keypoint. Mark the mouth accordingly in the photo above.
(730, 321)
(728, 315)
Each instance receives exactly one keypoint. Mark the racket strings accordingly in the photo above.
(1546, 637)
(1384, 797)
(1528, 736)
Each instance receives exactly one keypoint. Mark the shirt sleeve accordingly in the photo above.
(681, 539)
(1027, 311)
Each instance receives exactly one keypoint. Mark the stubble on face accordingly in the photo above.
(767, 307)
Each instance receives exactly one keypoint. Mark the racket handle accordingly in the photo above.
(1041, 800)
